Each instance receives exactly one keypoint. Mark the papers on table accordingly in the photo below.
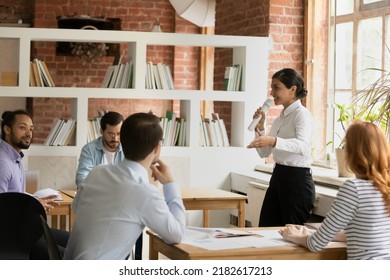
(223, 239)
(48, 192)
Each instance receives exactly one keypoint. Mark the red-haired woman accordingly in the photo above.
(360, 213)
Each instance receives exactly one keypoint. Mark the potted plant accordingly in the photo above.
(363, 110)
(347, 115)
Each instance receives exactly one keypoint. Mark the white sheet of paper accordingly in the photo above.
(48, 192)
(233, 243)
(272, 234)
(269, 233)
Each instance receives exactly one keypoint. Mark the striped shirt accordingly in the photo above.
(359, 209)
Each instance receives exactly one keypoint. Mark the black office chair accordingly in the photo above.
(20, 225)
(53, 250)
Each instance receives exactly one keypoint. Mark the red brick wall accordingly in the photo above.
(286, 34)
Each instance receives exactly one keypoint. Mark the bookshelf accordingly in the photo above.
(192, 165)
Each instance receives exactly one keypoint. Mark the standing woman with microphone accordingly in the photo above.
(290, 196)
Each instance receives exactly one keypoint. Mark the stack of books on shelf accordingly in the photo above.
(94, 126)
(62, 133)
(174, 130)
(93, 129)
(232, 78)
(213, 132)
(158, 76)
(119, 76)
(40, 75)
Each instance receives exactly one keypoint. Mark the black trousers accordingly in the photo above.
(138, 248)
(289, 198)
(39, 250)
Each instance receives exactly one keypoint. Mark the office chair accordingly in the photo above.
(53, 250)
(20, 225)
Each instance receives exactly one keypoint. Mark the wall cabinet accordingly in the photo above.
(192, 164)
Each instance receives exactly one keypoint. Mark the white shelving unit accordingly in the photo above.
(192, 165)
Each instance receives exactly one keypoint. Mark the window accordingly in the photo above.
(359, 37)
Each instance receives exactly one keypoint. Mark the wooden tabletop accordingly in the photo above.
(209, 194)
(207, 199)
(70, 193)
(334, 251)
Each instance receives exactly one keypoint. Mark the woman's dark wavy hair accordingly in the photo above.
(289, 77)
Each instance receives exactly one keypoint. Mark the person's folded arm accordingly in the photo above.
(166, 217)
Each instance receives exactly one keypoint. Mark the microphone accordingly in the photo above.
(267, 104)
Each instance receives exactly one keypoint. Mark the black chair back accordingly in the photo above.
(20, 225)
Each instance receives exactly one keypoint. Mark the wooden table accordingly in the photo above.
(70, 193)
(207, 199)
(62, 215)
(334, 251)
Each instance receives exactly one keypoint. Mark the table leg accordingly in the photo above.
(54, 221)
(153, 254)
(63, 222)
(206, 218)
(241, 214)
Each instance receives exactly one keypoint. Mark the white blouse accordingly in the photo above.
(293, 132)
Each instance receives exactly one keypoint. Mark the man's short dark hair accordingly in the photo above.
(111, 118)
(8, 119)
(140, 134)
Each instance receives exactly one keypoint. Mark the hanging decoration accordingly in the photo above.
(88, 52)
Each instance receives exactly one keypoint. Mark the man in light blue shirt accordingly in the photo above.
(116, 202)
(104, 150)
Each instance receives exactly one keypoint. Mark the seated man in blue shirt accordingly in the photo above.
(116, 202)
(104, 150)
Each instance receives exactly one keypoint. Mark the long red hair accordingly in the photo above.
(368, 155)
